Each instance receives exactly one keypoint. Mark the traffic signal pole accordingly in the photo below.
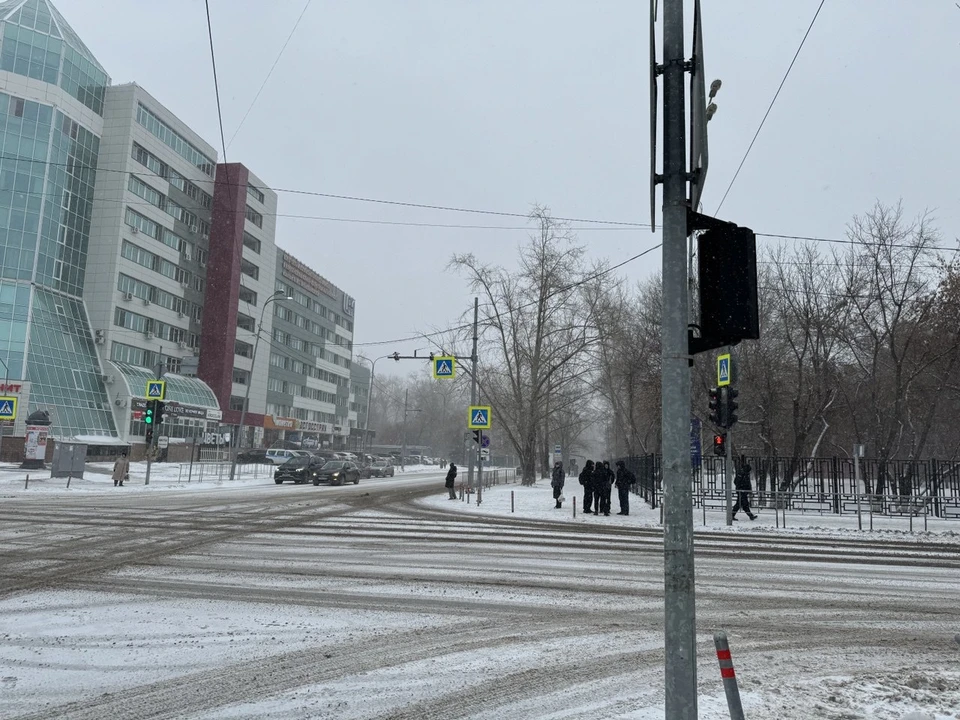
(680, 632)
(473, 451)
(728, 479)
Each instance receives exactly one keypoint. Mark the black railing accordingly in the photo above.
(820, 485)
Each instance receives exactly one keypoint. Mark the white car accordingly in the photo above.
(278, 456)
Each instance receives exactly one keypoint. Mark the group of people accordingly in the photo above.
(597, 480)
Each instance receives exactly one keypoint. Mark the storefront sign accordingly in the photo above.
(280, 423)
(10, 387)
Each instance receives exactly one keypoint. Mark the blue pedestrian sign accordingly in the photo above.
(479, 417)
(156, 389)
(8, 408)
(444, 367)
(723, 370)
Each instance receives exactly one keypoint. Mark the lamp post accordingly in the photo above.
(366, 417)
(278, 295)
(6, 381)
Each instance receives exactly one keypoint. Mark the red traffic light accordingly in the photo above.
(719, 444)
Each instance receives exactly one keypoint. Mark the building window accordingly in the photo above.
(243, 349)
(245, 322)
(249, 269)
(240, 377)
(142, 224)
(251, 242)
(174, 140)
(149, 160)
(236, 403)
(254, 217)
(248, 296)
(255, 193)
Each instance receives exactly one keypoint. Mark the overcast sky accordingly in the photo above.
(500, 104)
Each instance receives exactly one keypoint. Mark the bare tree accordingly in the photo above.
(536, 331)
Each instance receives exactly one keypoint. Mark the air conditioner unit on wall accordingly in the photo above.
(108, 379)
(99, 337)
(134, 231)
(181, 315)
(182, 345)
(128, 296)
(148, 335)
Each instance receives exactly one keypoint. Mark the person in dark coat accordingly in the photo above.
(601, 489)
(625, 480)
(556, 482)
(586, 479)
(451, 478)
(741, 482)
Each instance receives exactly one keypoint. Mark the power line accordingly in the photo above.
(565, 288)
(772, 102)
(216, 84)
(272, 67)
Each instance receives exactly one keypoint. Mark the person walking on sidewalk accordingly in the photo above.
(625, 480)
(451, 480)
(121, 470)
(602, 480)
(586, 479)
(741, 483)
(556, 482)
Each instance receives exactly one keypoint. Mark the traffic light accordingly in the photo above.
(159, 407)
(149, 437)
(716, 406)
(731, 407)
(477, 436)
(720, 444)
(149, 414)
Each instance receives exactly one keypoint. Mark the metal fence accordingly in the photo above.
(820, 485)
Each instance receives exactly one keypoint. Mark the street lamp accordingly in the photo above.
(366, 419)
(278, 295)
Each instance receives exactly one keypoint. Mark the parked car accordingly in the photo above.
(381, 468)
(299, 469)
(253, 455)
(337, 472)
(278, 456)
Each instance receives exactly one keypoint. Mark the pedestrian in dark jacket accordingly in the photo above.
(607, 487)
(599, 479)
(556, 482)
(741, 482)
(625, 480)
(586, 479)
(451, 478)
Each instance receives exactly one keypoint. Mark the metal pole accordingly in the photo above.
(471, 451)
(156, 429)
(728, 477)
(856, 480)
(680, 666)
(480, 471)
(403, 432)
(729, 676)
(235, 444)
(6, 382)
(366, 422)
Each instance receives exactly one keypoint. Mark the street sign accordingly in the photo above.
(484, 453)
(723, 370)
(163, 442)
(479, 417)
(8, 408)
(485, 443)
(444, 367)
(156, 389)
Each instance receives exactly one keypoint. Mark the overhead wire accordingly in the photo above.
(770, 107)
(216, 83)
(269, 73)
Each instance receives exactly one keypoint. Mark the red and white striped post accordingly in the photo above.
(729, 676)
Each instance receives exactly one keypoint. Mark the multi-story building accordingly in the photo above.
(311, 353)
(149, 247)
(239, 290)
(361, 436)
(52, 94)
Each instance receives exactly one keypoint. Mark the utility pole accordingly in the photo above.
(680, 633)
(473, 451)
(403, 432)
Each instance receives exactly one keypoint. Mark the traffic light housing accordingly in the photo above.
(720, 444)
(159, 408)
(716, 406)
(149, 438)
(730, 414)
(150, 414)
(477, 436)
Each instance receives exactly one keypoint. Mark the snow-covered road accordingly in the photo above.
(375, 601)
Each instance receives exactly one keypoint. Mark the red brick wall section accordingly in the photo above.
(222, 296)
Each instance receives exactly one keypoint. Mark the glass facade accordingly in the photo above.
(47, 173)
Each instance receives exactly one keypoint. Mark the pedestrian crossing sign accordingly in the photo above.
(723, 370)
(479, 417)
(444, 367)
(156, 389)
(8, 408)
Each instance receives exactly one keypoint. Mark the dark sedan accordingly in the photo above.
(299, 469)
(381, 469)
(337, 472)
